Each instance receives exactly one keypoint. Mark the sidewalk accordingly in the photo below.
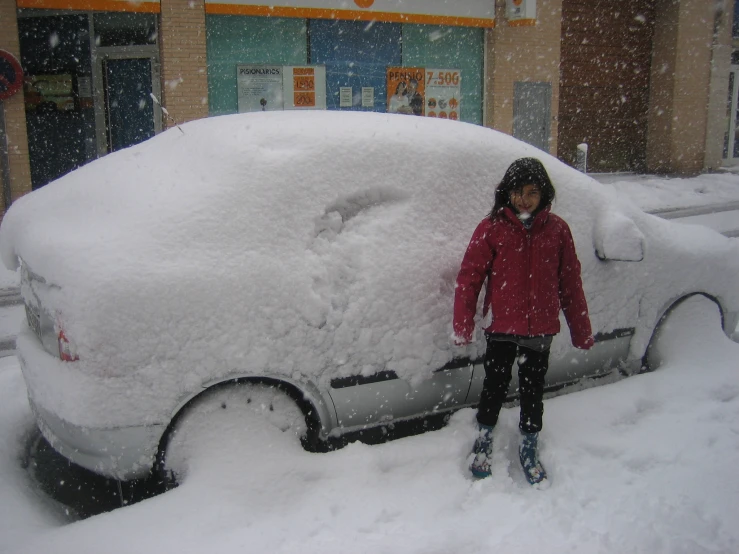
(710, 200)
(661, 195)
(9, 286)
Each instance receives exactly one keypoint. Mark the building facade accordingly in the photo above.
(644, 83)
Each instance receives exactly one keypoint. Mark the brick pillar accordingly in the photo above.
(15, 112)
(184, 63)
(523, 54)
(680, 86)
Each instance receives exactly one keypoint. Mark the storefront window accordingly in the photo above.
(356, 55)
(451, 48)
(77, 109)
(361, 60)
(233, 40)
(56, 60)
(124, 29)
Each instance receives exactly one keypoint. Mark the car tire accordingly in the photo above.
(238, 412)
(659, 343)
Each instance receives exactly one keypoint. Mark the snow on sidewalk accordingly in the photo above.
(643, 465)
(658, 193)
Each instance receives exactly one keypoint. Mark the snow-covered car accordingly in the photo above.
(299, 268)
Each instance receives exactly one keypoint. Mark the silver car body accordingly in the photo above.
(112, 421)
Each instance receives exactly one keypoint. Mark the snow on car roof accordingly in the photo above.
(252, 182)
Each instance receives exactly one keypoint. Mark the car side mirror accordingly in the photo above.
(617, 238)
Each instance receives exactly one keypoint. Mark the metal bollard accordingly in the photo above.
(581, 160)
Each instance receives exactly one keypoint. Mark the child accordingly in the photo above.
(528, 257)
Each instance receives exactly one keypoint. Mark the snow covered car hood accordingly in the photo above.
(311, 245)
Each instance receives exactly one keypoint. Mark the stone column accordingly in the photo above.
(681, 86)
(184, 60)
(530, 53)
(14, 109)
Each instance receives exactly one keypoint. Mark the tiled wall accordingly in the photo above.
(528, 53)
(183, 59)
(15, 114)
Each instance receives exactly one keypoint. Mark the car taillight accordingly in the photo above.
(66, 352)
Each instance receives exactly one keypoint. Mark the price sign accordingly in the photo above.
(304, 83)
(443, 93)
(443, 78)
(305, 99)
(305, 87)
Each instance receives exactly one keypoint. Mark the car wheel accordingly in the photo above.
(697, 306)
(229, 418)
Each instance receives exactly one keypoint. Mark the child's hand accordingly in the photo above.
(583, 343)
(461, 341)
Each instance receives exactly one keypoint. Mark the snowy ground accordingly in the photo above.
(645, 464)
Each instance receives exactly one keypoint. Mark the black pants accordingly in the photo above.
(532, 367)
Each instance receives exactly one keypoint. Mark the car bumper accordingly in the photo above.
(73, 413)
(121, 453)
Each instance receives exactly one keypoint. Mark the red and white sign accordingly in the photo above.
(521, 12)
(11, 75)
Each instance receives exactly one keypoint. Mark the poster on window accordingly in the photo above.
(424, 91)
(443, 93)
(259, 88)
(405, 90)
(274, 87)
(304, 87)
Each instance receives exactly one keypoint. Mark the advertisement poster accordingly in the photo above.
(345, 97)
(304, 87)
(259, 88)
(405, 90)
(274, 87)
(443, 93)
(422, 91)
(368, 97)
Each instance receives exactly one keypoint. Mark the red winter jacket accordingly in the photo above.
(532, 274)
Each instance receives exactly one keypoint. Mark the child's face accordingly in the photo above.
(526, 199)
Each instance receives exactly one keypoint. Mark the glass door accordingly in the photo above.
(731, 138)
(126, 111)
(129, 107)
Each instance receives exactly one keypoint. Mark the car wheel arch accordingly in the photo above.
(307, 403)
(664, 314)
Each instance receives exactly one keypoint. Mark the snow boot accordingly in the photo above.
(483, 452)
(529, 456)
